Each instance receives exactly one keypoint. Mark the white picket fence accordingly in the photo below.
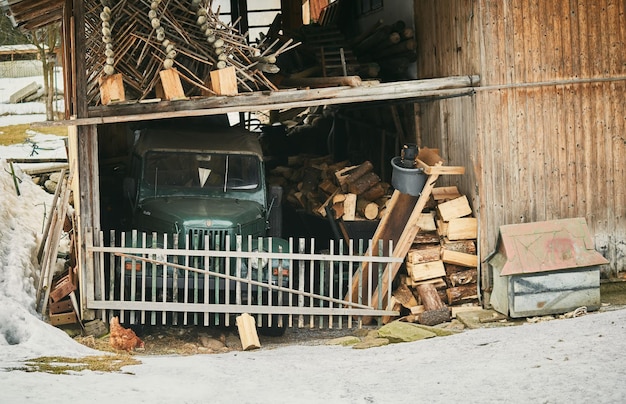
(162, 283)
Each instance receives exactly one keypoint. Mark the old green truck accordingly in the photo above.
(199, 187)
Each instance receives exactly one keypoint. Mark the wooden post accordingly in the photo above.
(247, 332)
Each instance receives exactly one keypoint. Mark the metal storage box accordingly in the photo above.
(545, 268)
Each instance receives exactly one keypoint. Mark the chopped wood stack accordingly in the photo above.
(317, 184)
(442, 262)
(140, 40)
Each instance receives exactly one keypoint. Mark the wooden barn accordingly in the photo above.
(525, 95)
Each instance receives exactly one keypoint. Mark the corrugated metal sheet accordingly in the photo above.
(547, 138)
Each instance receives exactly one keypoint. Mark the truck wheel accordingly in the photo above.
(274, 330)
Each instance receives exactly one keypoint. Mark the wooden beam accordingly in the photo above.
(284, 99)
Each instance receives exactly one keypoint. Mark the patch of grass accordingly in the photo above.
(59, 365)
(15, 134)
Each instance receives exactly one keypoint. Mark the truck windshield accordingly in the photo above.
(164, 169)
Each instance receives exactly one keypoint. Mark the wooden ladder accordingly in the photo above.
(399, 224)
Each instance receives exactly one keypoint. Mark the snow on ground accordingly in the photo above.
(563, 361)
(27, 112)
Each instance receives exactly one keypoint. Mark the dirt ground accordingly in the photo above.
(193, 340)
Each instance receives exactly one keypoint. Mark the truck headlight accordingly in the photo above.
(255, 262)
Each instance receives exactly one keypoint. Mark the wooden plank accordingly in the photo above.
(62, 306)
(63, 318)
(455, 208)
(459, 258)
(426, 270)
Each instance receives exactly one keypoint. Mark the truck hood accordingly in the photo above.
(190, 212)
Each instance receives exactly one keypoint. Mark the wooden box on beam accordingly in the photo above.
(170, 87)
(111, 89)
(224, 81)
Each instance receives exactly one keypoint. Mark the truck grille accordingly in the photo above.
(216, 239)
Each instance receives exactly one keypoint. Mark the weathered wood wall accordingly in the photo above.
(545, 134)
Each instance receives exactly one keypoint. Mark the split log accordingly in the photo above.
(375, 192)
(426, 238)
(404, 295)
(426, 270)
(464, 246)
(424, 253)
(462, 294)
(363, 183)
(354, 174)
(328, 187)
(464, 228)
(426, 222)
(464, 277)
(459, 258)
(455, 208)
(394, 305)
(349, 207)
(342, 175)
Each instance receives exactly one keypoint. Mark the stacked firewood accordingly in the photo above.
(320, 186)
(386, 50)
(140, 39)
(441, 267)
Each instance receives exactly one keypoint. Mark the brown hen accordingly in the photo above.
(122, 338)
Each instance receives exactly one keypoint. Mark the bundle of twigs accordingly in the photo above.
(142, 37)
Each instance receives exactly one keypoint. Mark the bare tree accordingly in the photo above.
(46, 40)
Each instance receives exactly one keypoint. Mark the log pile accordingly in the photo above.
(319, 186)
(441, 266)
(386, 50)
(141, 39)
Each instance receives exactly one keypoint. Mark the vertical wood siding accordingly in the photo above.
(548, 126)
